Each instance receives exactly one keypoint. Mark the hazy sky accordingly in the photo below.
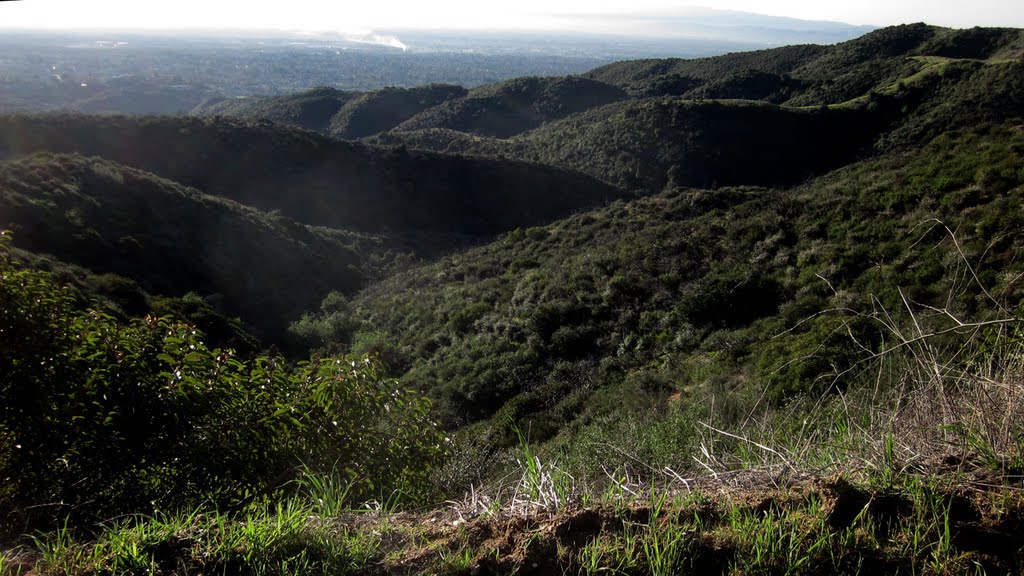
(362, 15)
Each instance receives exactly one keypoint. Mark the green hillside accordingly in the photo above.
(431, 201)
(583, 327)
(172, 240)
(761, 313)
(675, 76)
(382, 110)
(515, 106)
(697, 140)
(313, 109)
(649, 143)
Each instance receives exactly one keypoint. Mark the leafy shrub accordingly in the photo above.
(99, 418)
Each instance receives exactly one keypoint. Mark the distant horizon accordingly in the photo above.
(527, 16)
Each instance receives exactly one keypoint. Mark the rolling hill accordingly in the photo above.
(515, 106)
(312, 109)
(442, 201)
(769, 117)
(583, 327)
(171, 240)
(627, 295)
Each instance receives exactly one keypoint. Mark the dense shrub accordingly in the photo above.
(99, 418)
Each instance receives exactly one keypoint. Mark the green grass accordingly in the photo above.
(272, 539)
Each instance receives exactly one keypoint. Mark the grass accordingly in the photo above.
(911, 466)
(281, 539)
(883, 501)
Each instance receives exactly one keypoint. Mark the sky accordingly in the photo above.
(575, 15)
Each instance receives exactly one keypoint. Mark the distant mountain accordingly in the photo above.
(694, 22)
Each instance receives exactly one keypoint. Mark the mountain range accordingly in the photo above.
(559, 254)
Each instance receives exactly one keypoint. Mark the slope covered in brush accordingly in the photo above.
(676, 76)
(582, 328)
(384, 109)
(312, 109)
(648, 143)
(172, 240)
(515, 106)
(812, 75)
(653, 142)
(437, 200)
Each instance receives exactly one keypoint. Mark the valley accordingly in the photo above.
(757, 313)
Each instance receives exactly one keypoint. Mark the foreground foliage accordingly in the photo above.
(100, 418)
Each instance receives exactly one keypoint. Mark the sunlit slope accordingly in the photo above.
(600, 317)
(515, 106)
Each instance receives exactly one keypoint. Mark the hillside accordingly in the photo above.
(700, 140)
(581, 329)
(760, 313)
(343, 114)
(384, 109)
(515, 106)
(432, 202)
(311, 109)
(120, 221)
(649, 143)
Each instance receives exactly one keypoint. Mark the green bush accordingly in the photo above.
(100, 418)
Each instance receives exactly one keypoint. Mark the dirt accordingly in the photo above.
(983, 508)
(986, 527)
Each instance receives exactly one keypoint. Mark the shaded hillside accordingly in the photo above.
(515, 106)
(749, 84)
(339, 113)
(439, 201)
(384, 109)
(311, 109)
(647, 144)
(172, 240)
(586, 325)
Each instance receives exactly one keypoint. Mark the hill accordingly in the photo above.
(515, 106)
(433, 201)
(311, 109)
(170, 240)
(813, 283)
(649, 143)
(582, 328)
(343, 114)
(698, 139)
(260, 220)
(676, 76)
(384, 109)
